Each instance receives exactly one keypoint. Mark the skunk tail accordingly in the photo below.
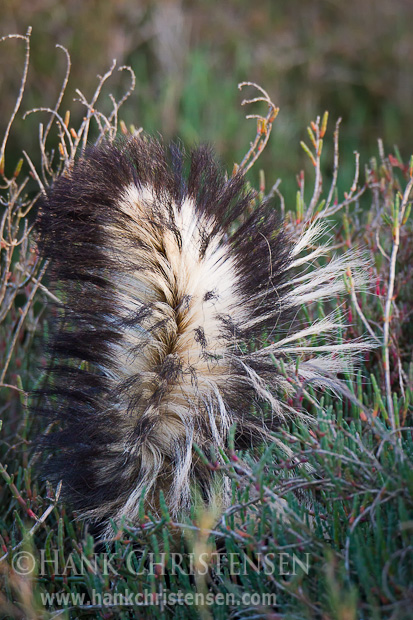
(170, 323)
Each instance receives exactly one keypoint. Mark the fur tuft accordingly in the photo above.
(165, 304)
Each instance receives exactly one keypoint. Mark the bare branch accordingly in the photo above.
(22, 87)
(264, 126)
(397, 221)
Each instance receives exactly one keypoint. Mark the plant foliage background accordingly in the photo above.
(353, 515)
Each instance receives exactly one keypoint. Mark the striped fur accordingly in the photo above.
(167, 306)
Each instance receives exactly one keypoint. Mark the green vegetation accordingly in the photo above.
(330, 537)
